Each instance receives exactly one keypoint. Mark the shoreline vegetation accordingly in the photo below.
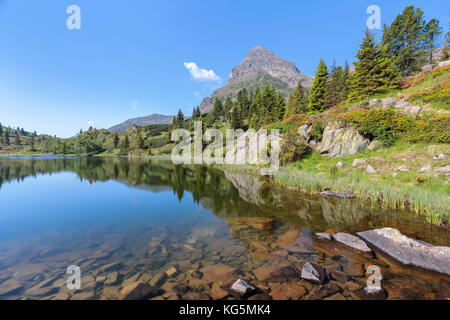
(379, 129)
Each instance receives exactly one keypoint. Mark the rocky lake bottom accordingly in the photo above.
(142, 229)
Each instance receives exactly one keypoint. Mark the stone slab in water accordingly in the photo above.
(408, 251)
(351, 241)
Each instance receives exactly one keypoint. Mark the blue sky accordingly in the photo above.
(129, 58)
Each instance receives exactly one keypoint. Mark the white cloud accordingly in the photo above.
(90, 123)
(201, 74)
(134, 104)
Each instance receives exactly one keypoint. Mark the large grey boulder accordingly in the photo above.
(387, 102)
(409, 251)
(351, 241)
(443, 63)
(303, 132)
(373, 103)
(412, 109)
(402, 104)
(341, 142)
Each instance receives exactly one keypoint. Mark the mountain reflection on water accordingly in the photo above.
(126, 220)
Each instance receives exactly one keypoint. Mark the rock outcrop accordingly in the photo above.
(408, 251)
(339, 142)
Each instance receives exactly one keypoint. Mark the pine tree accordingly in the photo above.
(17, 140)
(227, 108)
(32, 143)
(236, 118)
(244, 102)
(280, 107)
(179, 122)
(297, 101)
(6, 138)
(433, 31)
(405, 39)
(255, 110)
(1, 129)
(345, 81)
(374, 72)
(218, 108)
(116, 140)
(125, 143)
(139, 140)
(64, 148)
(317, 93)
(268, 104)
(335, 87)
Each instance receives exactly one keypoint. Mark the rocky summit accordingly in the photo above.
(259, 66)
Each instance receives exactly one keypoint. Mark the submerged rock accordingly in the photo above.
(324, 291)
(313, 272)
(137, 291)
(242, 288)
(323, 235)
(341, 142)
(409, 251)
(344, 195)
(351, 241)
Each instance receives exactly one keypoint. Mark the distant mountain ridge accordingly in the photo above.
(259, 66)
(143, 121)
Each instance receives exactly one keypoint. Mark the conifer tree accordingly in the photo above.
(433, 31)
(116, 140)
(1, 129)
(255, 110)
(125, 143)
(244, 102)
(335, 87)
(17, 140)
(218, 108)
(317, 93)
(405, 39)
(179, 121)
(32, 143)
(374, 72)
(6, 138)
(297, 101)
(236, 117)
(139, 140)
(227, 108)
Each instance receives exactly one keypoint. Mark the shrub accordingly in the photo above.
(386, 125)
(440, 93)
(316, 132)
(293, 148)
(375, 124)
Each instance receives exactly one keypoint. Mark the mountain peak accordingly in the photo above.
(259, 66)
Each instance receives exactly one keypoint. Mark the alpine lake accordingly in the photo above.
(188, 231)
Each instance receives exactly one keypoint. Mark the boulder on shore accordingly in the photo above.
(408, 251)
(341, 142)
